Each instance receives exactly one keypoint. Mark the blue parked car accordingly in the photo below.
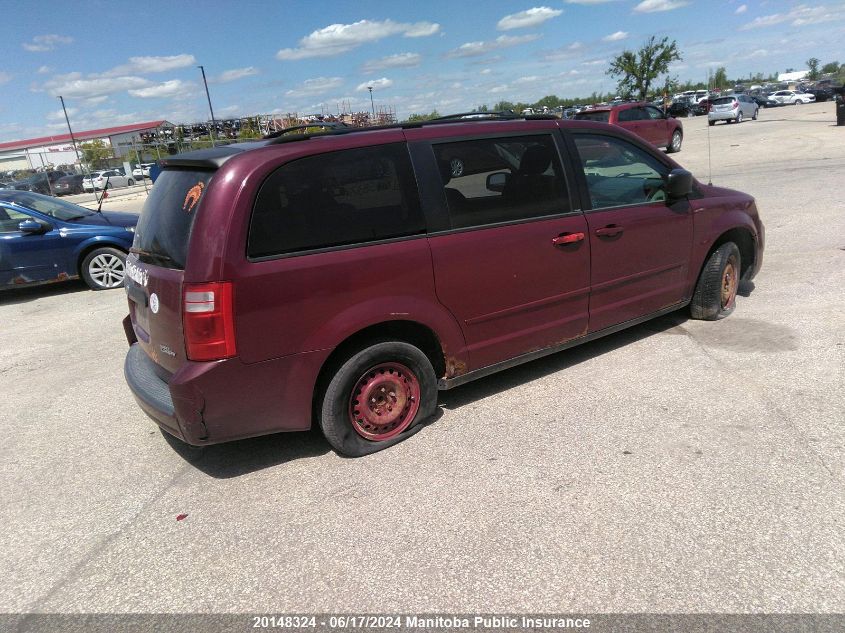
(43, 239)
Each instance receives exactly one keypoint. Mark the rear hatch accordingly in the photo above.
(723, 104)
(155, 268)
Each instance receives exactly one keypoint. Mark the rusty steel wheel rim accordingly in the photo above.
(730, 282)
(384, 401)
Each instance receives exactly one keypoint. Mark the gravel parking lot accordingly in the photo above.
(680, 466)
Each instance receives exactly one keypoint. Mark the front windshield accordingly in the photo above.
(58, 209)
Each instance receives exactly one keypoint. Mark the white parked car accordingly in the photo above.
(792, 97)
(142, 170)
(99, 180)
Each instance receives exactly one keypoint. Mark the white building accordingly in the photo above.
(55, 150)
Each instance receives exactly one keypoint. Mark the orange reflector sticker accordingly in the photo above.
(193, 197)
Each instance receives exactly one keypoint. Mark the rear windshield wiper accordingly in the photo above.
(159, 256)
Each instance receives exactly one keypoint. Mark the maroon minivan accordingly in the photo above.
(342, 278)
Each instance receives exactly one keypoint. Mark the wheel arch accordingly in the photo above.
(411, 332)
(744, 239)
(92, 244)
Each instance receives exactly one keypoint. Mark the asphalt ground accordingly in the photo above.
(679, 466)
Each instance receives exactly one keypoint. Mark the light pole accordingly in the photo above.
(372, 103)
(72, 140)
(210, 109)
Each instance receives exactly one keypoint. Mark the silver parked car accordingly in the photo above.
(732, 108)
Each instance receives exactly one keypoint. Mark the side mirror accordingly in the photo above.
(32, 227)
(497, 181)
(678, 184)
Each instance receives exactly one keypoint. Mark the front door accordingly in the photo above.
(640, 244)
(28, 257)
(513, 263)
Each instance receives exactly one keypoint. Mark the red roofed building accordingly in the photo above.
(58, 149)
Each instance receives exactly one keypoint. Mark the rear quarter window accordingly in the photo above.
(334, 199)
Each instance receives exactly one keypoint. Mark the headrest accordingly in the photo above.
(535, 160)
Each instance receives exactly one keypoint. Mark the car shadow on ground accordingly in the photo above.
(540, 368)
(25, 294)
(233, 459)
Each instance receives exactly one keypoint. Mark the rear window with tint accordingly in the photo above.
(162, 234)
(723, 100)
(346, 197)
(602, 116)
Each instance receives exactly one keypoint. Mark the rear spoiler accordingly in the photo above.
(211, 158)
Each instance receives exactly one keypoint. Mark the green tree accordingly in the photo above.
(813, 65)
(720, 78)
(248, 130)
(549, 101)
(637, 71)
(95, 152)
(415, 118)
(830, 68)
(503, 106)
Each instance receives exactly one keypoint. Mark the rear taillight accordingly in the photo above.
(208, 320)
(735, 104)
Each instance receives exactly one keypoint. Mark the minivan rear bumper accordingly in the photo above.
(151, 392)
(218, 401)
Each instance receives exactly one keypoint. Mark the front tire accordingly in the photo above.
(715, 292)
(130, 182)
(796, 102)
(104, 268)
(376, 397)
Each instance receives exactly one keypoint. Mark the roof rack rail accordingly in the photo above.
(331, 125)
(332, 129)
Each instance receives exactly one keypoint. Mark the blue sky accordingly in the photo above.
(125, 62)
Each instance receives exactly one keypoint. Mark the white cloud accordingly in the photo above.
(741, 9)
(146, 65)
(760, 52)
(615, 37)
(43, 43)
(233, 75)
(527, 80)
(564, 52)
(165, 89)
(654, 6)
(336, 39)
(59, 115)
(801, 15)
(229, 110)
(96, 100)
(588, 1)
(4, 78)
(594, 62)
(474, 49)
(528, 18)
(73, 85)
(486, 71)
(375, 84)
(43, 70)
(400, 60)
(316, 86)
